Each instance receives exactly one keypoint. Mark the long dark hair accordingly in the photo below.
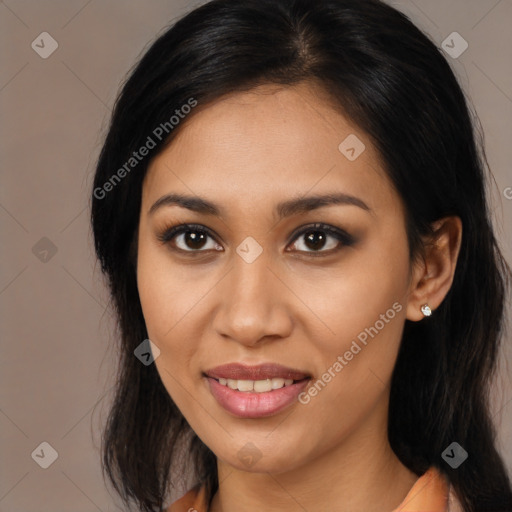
(394, 83)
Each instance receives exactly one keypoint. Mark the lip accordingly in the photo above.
(245, 404)
(237, 371)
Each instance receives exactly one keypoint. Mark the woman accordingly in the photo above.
(290, 204)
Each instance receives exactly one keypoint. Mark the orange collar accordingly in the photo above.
(428, 494)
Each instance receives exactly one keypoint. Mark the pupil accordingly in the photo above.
(195, 240)
(315, 240)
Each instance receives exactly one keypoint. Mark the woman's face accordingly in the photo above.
(319, 287)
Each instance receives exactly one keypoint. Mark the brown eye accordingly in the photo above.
(190, 238)
(315, 240)
(194, 239)
(321, 238)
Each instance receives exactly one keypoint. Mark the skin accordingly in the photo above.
(246, 153)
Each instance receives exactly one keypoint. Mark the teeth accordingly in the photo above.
(261, 386)
(258, 386)
(245, 385)
(278, 383)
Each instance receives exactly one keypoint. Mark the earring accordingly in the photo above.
(425, 309)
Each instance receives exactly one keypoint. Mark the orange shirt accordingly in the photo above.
(430, 493)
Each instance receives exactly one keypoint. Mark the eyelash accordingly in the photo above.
(346, 240)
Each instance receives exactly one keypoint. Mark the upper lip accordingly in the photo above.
(237, 371)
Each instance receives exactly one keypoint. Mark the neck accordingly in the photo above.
(362, 474)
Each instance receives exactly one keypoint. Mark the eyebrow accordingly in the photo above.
(283, 209)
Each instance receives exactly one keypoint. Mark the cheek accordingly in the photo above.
(156, 290)
(365, 313)
(166, 294)
(366, 293)
(166, 301)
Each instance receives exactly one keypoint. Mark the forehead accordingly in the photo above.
(272, 141)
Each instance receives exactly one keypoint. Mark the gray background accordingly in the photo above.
(56, 366)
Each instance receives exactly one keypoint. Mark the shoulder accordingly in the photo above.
(431, 492)
(192, 501)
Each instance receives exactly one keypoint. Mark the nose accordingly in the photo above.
(252, 304)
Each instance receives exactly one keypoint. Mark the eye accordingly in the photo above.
(316, 238)
(321, 238)
(190, 238)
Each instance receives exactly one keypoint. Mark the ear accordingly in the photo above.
(432, 276)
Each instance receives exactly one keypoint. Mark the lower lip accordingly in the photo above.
(245, 404)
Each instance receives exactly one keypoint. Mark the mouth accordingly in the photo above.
(255, 391)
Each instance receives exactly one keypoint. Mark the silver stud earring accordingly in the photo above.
(425, 309)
